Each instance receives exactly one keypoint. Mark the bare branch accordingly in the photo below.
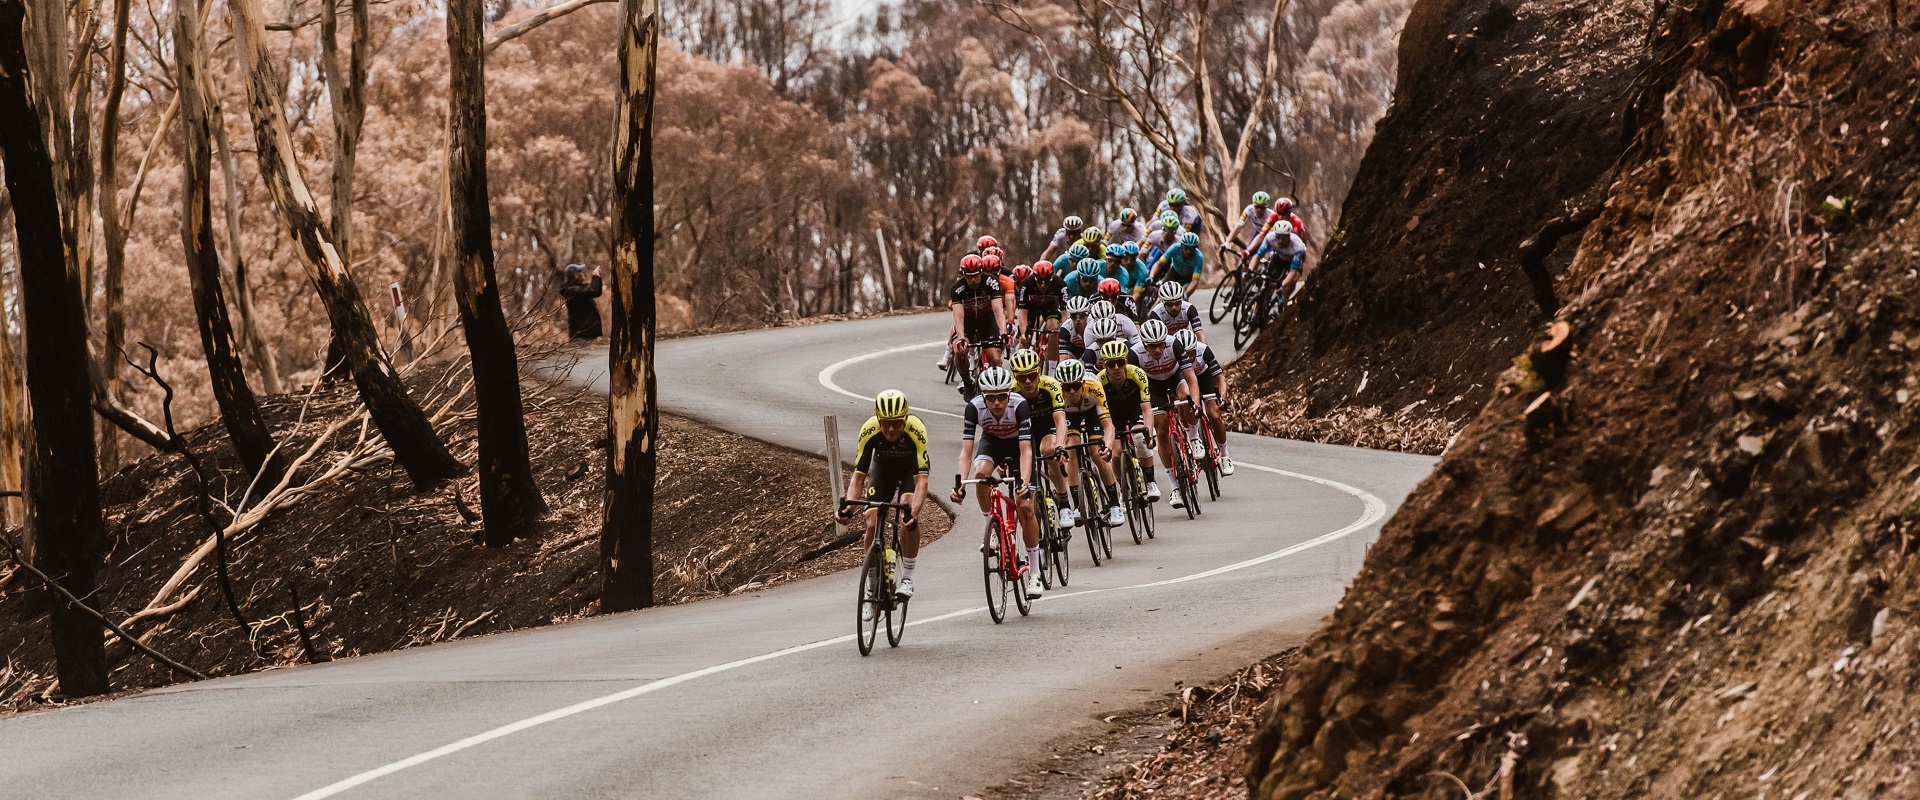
(518, 29)
(13, 552)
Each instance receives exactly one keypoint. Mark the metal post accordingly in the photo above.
(832, 423)
(400, 321)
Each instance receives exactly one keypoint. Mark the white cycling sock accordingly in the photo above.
(906, 567)
(1033, 555)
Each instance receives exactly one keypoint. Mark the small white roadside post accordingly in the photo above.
(832, 423)
(400, 321)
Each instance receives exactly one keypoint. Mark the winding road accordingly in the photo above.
(764, 695)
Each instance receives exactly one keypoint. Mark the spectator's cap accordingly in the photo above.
(576, 268)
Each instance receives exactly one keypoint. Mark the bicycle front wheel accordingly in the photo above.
(990, 563)
(896, 606)
(867, 615)
(1057, 557)
(1223, 298)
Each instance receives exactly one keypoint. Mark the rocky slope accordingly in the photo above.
(1448, 249)
(1679, 564)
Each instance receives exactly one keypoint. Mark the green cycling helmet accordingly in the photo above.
(1169, 220)
(1176, 197)
(1128, 215)
(1078, 252)
(1261, 199)
(1190, 239)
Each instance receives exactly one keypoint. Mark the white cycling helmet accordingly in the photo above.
(995, 380)
(1283, 228)
(1184, 337)
(1103, 329)
(1071, 371)
(1078, 305)
(1073, 223)
(1172, 292)
(1153, 331)
(1102, 309)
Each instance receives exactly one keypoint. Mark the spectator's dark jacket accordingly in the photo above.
(583, 317)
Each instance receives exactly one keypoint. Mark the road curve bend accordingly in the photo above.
(763, 695)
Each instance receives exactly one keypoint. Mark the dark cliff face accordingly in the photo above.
(1508, 117)
(1684, 567)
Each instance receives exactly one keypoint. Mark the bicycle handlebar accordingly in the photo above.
(846, 504)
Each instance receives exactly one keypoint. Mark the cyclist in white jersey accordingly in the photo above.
(1170, 376)
(1174, 310)
(1064, 238)
(997, 432)
(1213, 387)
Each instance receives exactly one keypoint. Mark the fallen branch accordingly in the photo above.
(13, 552)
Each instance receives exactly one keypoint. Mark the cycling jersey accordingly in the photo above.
(1206, 362)
(1125, 395)
(1091, 291)
(1073, 336)
(976, 301)
(1189, 214)
(908, 454)
(1186, 317)
(1042, 299)
(1091, 356)
(1014, 423)
(1124, 232)
(1167, 365)
(1062, 239)
(1129, 272)
(891, 466)
(1183, 263)
(1045, 399)
(1084, 416)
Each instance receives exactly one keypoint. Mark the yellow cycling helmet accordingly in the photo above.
(1091, 235)
(1024, 361)
(1116, 349)
(891, 404)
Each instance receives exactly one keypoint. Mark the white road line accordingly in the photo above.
(1375, 510)
(826, 375)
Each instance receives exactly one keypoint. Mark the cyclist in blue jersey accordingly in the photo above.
(1181, 264)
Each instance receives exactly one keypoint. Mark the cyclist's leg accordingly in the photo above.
(1061, 471)
(983, 463)
(1162, 403)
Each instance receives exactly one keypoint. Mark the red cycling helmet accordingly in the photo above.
(971, 264)
(1109, 287)
(994, 251)
(1022, 272)
(991, 263)
(988, 241)
(1283, 205)
(1043, 269)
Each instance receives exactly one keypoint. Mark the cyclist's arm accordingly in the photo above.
(919, 497)
(959, 320)
(1193, 383)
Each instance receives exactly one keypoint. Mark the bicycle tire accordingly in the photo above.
(897, 608)
(1061, 555)
(867, 629)
(1046, 535)
(1221, 304)
(995, 576)
(1093, 543)
(1020, 599)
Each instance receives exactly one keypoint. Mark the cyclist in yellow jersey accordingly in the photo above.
(1085, 404)
(892, 462)
(1049, 417)
(1129, 403)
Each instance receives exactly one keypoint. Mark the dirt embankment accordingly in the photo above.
(375, 566)
(1685, 566)
(1426, 290)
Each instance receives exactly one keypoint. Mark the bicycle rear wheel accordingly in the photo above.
(990, 557)
(1020, 599)
(1046, 536)
(867, 612)
(1223, 297)
(1059, 556)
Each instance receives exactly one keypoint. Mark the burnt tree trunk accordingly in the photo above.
(405, 427)
(633, 418)
(238, 409)
(63, 482)
(510, 502)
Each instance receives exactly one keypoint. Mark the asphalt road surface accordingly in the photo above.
(765, 695)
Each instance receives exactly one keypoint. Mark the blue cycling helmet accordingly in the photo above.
(1078, 252)
(1089, 268)
(1130, 248)
(1189, 239)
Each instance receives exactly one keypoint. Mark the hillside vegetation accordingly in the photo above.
(1672, 556)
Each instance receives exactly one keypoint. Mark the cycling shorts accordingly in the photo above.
(1087, 425)
(1210, 384)
(890, 485)
(1041, 426)
(981, 331)
(1003, 452)
(1162, 391)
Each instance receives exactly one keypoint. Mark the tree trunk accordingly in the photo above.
(110, 228)
(347, 102)
(63, 482)
(510, 502)
(633, 419)
(401, 422)
(238, 410)
(13, 418)
(257, 346)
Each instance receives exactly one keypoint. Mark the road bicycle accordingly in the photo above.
(1000, 550)
(1090, 497)
(1210, 460)
(1133, 485)
(965, 369)
(1185, 469)
(878, 582)
(1055, 564)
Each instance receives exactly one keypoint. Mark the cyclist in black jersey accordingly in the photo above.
(978, 314)
(892, 461)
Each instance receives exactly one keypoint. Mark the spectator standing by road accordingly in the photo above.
(583, 315)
